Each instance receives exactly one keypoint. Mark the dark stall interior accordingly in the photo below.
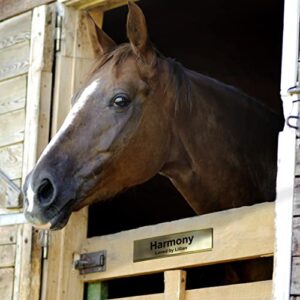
(236, 42)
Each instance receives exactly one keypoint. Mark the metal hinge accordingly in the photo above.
(91, 262)
(58, 31)
(44, 242)
(293, 120)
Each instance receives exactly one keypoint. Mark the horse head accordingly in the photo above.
(115, 136)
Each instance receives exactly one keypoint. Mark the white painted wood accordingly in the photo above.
(286, 157)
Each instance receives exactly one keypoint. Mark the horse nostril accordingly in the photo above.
(45, 192)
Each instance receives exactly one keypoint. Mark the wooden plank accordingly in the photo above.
(13, 94)
(15, 30)
(296, 237)
(36, 137)
(88, 4)
(237, 234)
(11, 8)
(297, 167)
(295, 280)
(6, 283)
(14, 60)
(144, 297)
(7, 255)
(39, 86)
(11, 160)
(261, 290)
(296, 208)
(9, 193)
(8, 235)
(12, 127)
(175, 282)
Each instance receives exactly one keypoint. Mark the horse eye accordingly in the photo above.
(121, 101)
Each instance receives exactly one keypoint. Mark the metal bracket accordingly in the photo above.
(295, 90)
(91, 262)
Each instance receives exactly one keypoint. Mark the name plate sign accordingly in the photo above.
(173, 244)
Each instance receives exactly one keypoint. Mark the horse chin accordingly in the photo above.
(60, 220)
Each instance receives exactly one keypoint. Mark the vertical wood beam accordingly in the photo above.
(175, 282)
(27, 273)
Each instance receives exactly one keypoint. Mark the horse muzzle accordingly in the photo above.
(44, 205)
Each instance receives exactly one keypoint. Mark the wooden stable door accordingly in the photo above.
(75, 54)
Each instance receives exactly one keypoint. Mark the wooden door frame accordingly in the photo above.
(286, 155)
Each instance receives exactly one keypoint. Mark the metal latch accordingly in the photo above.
(91, 262)
(295, 90)
(293, 120)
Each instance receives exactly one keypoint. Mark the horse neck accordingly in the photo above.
(212, 118)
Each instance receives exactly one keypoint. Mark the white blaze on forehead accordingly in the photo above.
(30, 198)
(77, 107)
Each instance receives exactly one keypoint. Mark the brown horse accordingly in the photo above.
(141, 114)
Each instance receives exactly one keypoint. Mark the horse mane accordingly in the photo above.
(178, 80)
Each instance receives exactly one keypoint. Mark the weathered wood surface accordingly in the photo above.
(11, 8)
(11, 160)
(14, 60)
(296, 208)
(296, 237)
(7, 255)
(237, 234)
(12, 127)
(8, 235)
(39, 86)
(6, 283)
(9, 192)
(295, 280)
(260, 290)
(15, 30)
(12, 94)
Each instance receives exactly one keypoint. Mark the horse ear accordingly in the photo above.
(105, 43)
(138, 34)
